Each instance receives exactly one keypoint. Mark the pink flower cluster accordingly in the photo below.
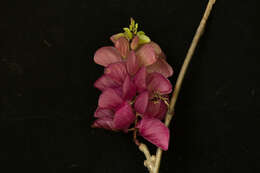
(134, 89)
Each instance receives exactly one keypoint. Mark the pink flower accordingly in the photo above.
(149, 55)
(154, 131)
(113, 112)
(125, 95)
(119, 75)
(118, 90)
(115, 73)
(156, 88)
(134, 86)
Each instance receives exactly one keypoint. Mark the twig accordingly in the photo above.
(150, 160)
(153, 162)
(180, 78)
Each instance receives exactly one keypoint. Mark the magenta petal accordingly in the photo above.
(140, 79)
(124, 117)
(131, 63)
(158, 50)
(107, 55)
(162, 112)
(109, 99)
(117, 72)
(152, 108)
(146, 55)
(115, 37)
(158, 83)
(119, 91)
(141, 102)
(161, 66)
(103, 112)
(155, 132)
(156, 109)
(122, 46)
(104, 123)
(105, 82)
(129, 89)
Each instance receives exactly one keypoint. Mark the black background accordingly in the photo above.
(48, 99)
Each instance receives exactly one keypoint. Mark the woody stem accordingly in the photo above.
(180, 78)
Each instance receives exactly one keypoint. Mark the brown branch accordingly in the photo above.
(180, 78)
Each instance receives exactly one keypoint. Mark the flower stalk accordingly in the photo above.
(153, 162)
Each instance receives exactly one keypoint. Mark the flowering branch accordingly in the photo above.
(135, 88)
(152, 163)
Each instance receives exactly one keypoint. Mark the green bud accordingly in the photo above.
(144, 39)
(135, 28)
(128, 34)
(140, 33)
(132, 24)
